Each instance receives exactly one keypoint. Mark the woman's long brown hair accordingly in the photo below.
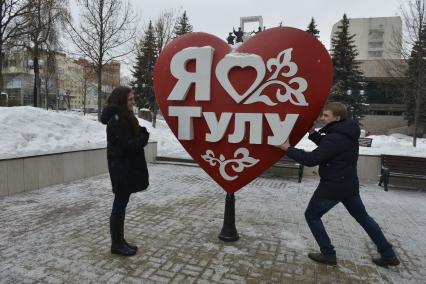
(118, 98)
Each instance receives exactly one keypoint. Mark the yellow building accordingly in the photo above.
(66, 83)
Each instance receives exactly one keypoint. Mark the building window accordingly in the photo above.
(11, 62)
(385, 92)
(375, 44)
(14, 84)
(385, 112)
(378, 53)
(375, 35)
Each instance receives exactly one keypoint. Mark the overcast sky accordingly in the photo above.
(219, 16)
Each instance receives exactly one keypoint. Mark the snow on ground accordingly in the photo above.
(168, 145)
(27, 131)
(395, 144)
(60, 234)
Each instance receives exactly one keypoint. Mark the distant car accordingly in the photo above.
(91, 110)
(4, 98)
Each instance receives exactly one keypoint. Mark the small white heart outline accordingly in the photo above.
(241, 60)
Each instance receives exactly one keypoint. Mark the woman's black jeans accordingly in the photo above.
(120, 204)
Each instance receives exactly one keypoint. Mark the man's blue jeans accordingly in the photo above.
(319, 206)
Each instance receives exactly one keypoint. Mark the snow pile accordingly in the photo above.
(27, 131)
(395, 144)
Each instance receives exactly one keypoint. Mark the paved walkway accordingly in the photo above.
(60, 234)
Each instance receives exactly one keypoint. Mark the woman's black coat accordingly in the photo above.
(126, 158)
(337, 156)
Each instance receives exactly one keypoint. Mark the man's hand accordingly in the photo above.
(312, 130)
(284, 146)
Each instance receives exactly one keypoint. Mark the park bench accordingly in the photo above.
(401, 167)
(286, 162)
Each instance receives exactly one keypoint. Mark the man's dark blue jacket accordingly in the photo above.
(337, 156)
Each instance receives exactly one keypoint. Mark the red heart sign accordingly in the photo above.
(228, 108)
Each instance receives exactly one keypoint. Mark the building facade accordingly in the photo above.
(375, 38)
(65, 83)
(18, 77)
(110, 80)
(378, 42)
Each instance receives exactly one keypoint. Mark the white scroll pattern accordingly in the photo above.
(293, 90)
(241, 161)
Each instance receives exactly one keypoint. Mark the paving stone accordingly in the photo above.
(60, 234)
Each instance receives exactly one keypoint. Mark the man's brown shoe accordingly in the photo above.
(386, 261)
(319, 257)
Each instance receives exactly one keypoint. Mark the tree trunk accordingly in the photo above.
(1, 67)
(99, 71)
(36, 77)
(84, 93)
(68, 100)
(416, 117)
(46, 93)
(154, 117)
(4, 101)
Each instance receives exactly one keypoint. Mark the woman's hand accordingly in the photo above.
(144, 134)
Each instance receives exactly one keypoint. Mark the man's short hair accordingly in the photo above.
(337, 109)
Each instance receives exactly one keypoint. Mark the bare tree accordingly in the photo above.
(45, 18)
(67, 99)
(414, 43)
(49, 76)
(12, 26)
(414, 19)
(84, 81)
(163, 28)
(105, 32)
(401, 45)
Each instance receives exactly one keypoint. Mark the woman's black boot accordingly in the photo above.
(117, 244)
(124, 240)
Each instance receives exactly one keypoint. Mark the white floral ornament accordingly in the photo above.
(293, 93)
(238, 164)
(293, 89)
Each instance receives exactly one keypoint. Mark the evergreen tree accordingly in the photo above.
(415, 97)
(312, 28)
(143, 72)
(182, 25)
(348, 81)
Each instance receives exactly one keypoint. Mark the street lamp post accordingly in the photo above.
(147, 89)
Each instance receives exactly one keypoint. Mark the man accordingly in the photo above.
(337, 155)
(239, 34)
(230, 39)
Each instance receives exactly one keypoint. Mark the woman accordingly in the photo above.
(126, 161)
